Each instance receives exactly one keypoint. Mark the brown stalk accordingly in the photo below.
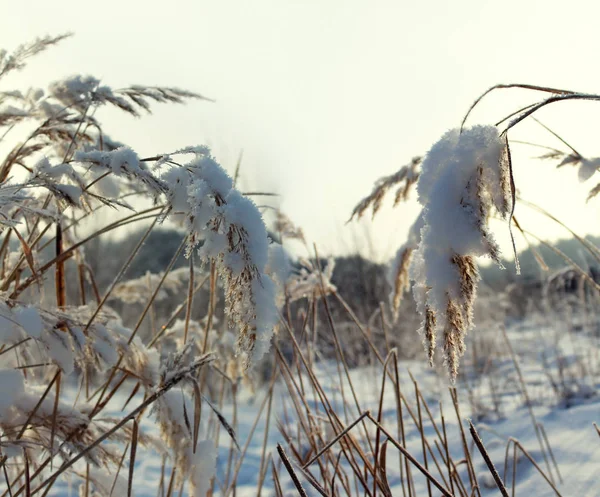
(174, 315)
(114, 483)
(332, 417)
(291, 472)
(238, 465)
(512, 85)
(277, 484)
(487, 459)
(171, 482)
(197, 415)
(517, 444)
(101, 400)
(54, 413)
(407, 454)
(423, 402)
(27, 476)
(67, 253)
(395, 381)
(60, 278)
(161, 485)
(175, 379)
(300, 404)
(471, 470)
(7, 480)
(263, 456)
(335, 440)
(37, 406)
(341, 354)
(311, 479)
(190, 301)
(422, 433)
(231, 445)
(387, 491)
(400, 421)
(134, 442)
(211, 304)
(527, 400)
(376, 463)
(445, 445)
(303, 412)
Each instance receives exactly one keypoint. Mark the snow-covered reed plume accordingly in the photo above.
(463, 177)
(234, 236)
(226, 227)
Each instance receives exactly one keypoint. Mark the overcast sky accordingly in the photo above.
(326, 96)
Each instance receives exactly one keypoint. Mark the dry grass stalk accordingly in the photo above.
(291, 472)
(488, 461)
(517, 445)
(528, 403)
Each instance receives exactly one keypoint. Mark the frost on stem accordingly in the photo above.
(463, 177)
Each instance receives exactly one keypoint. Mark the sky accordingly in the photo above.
(325, 97)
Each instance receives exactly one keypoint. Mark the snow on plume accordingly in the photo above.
(228, 228)
(463, 177)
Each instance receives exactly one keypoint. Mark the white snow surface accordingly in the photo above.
(574, 441)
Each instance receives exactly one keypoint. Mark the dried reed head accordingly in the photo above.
(287, 229)
(429, 335)
(469, 276)
(399, 274)
(407, 176)
(17, 60)
(454, 336)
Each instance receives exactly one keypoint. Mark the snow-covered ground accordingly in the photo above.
(568, 423)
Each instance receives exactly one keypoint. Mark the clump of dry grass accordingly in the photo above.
(339, 444)
(53, 339)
